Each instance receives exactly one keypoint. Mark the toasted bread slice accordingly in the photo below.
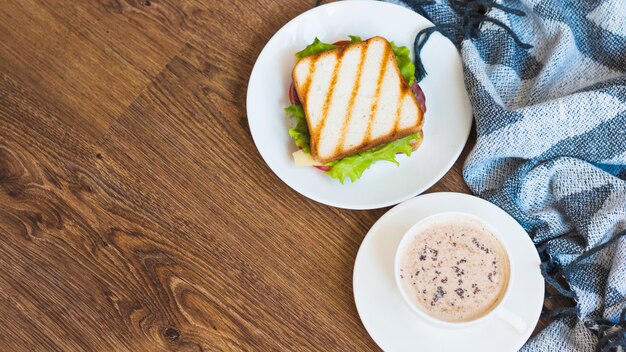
(420, 138)
(354, 99)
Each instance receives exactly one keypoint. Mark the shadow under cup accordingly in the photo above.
(453, 270)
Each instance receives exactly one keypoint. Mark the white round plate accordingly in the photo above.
(448, 116)
(390, 321)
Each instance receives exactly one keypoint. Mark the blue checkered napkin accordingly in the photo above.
(551, 147)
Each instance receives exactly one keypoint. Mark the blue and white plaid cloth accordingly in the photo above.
(551, 147)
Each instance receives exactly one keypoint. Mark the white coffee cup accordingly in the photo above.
(500, 311)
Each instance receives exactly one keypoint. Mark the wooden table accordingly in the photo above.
(135, 212)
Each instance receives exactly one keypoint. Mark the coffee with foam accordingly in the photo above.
(455, 270)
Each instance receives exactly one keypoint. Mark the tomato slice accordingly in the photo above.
(293, 95)
(342, 43)
(323, 168)
(419, 94)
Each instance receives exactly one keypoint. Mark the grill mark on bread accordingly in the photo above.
(355, 89)
(379, 83)
(305, 88)
(329, 95)
(396, 123)
(309, 77)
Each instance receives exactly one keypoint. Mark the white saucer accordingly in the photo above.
(447, 120)
(389, 320)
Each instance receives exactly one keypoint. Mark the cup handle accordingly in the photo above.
(512, 319)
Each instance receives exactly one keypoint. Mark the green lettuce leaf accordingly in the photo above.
(354, 39)
(301, 132)
(315, 48)
(353, 166)
(403, 58)
(319, 47)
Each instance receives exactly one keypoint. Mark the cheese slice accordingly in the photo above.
(304, 159)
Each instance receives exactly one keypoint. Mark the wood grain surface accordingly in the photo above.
(135, 211)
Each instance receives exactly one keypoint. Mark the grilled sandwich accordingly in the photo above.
(354, 99)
